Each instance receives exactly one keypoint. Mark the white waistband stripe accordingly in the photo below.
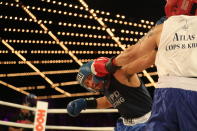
(177, 82)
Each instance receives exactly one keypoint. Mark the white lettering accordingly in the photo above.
(116, 99)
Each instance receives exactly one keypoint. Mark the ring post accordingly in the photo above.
(40, 116)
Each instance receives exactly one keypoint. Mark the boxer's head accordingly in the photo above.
(88, 80)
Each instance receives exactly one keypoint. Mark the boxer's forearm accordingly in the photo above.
(140, 64)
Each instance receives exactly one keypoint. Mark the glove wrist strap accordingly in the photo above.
(91, 103)
(111, 66)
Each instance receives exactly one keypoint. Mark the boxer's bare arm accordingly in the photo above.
(103, 103)
(143, 47)
(140, 64)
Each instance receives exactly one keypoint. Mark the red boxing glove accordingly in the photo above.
(103, 66)
(178, 7)
(171, 7)
(98, 67)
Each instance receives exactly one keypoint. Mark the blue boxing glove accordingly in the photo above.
(75, 107)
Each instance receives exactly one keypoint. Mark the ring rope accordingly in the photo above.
(7, 123)
(17, 105)
(58, 127)
(58, 110)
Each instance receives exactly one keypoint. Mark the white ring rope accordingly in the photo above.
(17, 106)
(7, 123)
(58, 127)
(58, 110)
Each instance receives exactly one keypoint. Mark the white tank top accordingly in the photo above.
(177, 51)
